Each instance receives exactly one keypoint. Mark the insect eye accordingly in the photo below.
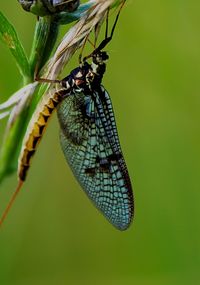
(100, 57)
(104, 56)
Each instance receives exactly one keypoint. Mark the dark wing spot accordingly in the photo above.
(114, 156)
(104, 165)
(90, 171)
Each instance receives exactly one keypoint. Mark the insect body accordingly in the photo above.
(89, 140)
(35, 130)
(91, 146)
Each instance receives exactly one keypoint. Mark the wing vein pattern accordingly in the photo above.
(90, 143)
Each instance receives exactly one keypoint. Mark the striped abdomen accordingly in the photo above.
(36, 129)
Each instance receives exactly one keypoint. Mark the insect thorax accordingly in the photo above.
(87, 77)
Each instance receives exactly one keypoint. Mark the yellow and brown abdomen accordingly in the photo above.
(36, 129)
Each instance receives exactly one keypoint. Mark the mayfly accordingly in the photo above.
(88, 137)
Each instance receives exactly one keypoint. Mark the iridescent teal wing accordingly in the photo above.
(91, 146)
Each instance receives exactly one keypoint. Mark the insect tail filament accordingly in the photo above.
(5, 213)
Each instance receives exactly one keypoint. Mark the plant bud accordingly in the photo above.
(48, 7)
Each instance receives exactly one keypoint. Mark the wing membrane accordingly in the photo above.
(91, 146)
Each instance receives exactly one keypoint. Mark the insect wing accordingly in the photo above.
(91, 146)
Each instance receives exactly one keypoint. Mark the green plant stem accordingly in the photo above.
(11, 147)
(46, 32)
(44, 40)
(45, 36)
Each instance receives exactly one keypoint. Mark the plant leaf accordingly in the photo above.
(4, 114)
(24, 102)
(12, 142)
(19, 95)
(9, 36)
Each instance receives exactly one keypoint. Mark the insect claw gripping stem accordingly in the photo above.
(5, 213)
(46, 80)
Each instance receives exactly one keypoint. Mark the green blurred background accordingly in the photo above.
(53, 234)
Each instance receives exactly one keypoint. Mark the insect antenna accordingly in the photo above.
(83, 46)
(5, 213)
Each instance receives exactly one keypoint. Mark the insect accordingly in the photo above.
(88, 136)
(91, 146)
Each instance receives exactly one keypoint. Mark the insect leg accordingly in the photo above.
(46, 80)
(83, 46)
(109, 38)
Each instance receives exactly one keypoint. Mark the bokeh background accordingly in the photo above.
(53, 234)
